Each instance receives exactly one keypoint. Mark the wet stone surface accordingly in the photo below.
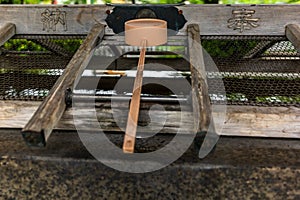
(239, 168)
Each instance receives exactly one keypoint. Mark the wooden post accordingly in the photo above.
(292, 32)
(202, 109)
(38, 129)
(7, 31)
(201, 102)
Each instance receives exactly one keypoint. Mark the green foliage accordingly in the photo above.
(22, 45)
(161, 1)
(34, 1)
(214, 1)
(70, 45)
(294, 1)
(196, 1)
(77, 2)
(257, 1)
(6, 2)
(10, 1)
(278, 99)
(228, 48)
(236, 97)
(266, 99)
(23, 1)
(158, 1)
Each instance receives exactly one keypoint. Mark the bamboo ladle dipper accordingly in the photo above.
(143, 33)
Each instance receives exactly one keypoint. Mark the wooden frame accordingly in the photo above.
(213, 19)
(216, 20)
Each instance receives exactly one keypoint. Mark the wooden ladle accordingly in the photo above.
(140, 32)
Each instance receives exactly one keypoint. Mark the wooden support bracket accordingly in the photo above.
(38, 129)
(7, 31)
(292, 32)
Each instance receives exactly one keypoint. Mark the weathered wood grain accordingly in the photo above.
(149, 122)
(213, 19)
(32, 19)
(279, 122)
(201, 102)
(7, 30)
(39, 127)
(249, 121)
(16, 113)
(292, 32)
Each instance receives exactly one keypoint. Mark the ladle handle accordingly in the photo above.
(129, 139)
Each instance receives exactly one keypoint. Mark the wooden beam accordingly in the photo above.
(38, 129)
(292, 32)
(213, 19)
(253, 121)
(39, 19)
(217, 19)
(245, 121)
(201, 101)
(7, 31)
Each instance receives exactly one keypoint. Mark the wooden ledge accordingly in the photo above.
(249, 121)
